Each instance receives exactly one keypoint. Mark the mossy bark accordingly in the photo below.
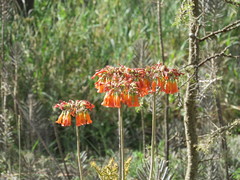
(190, 119)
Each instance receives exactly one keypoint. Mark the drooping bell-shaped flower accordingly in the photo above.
(67, 119)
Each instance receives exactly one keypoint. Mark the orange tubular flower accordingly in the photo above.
(89, 121)
(144, 86)
(83, 118)
(174, 88)
(112, 100)
(161, 84)
(60, 119)
(167, 90)
(67, 120)
(117, 101)
(80, 119)
(154, 86)
(108, 100)
(132, 100)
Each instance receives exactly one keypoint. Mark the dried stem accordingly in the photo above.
(153, 141)
(78, 154)
(2, 47)
(166, 109)
(121, 145)
(15, 87)
(160, 30)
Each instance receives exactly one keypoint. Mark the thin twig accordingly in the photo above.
(210, 159)
(227, 28)
(222, 53)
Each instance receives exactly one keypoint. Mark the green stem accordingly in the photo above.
(78, 154)
(153, 136)
(166, 128)
(121, 145)
(19, 146)
(143, 132)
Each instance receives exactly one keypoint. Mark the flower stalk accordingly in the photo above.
(78, 155)
(121, 145)
(153, 141)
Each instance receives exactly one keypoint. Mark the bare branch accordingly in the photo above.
(222, 130)
(213, 57)
(222, 53)
(227, 28)
(233, 3)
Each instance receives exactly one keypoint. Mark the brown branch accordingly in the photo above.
(222, 130)
(227, 28)
(222, 53)
(233, 3)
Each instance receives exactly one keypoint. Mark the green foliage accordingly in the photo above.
(236, 174)
(110, 171)
(182, 16)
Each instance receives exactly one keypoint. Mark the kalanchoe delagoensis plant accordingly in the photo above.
(80, 110)
(124, 85)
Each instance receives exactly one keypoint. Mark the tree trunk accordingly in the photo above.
(190, 97)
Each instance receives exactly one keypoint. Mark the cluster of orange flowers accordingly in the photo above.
(78, 109)
(125, 85)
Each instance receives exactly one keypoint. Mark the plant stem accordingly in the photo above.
(153, 136)
(166, 109)
(166, 128)
(143, 132)
(78, 155)
(19, 146)
(121, 145)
